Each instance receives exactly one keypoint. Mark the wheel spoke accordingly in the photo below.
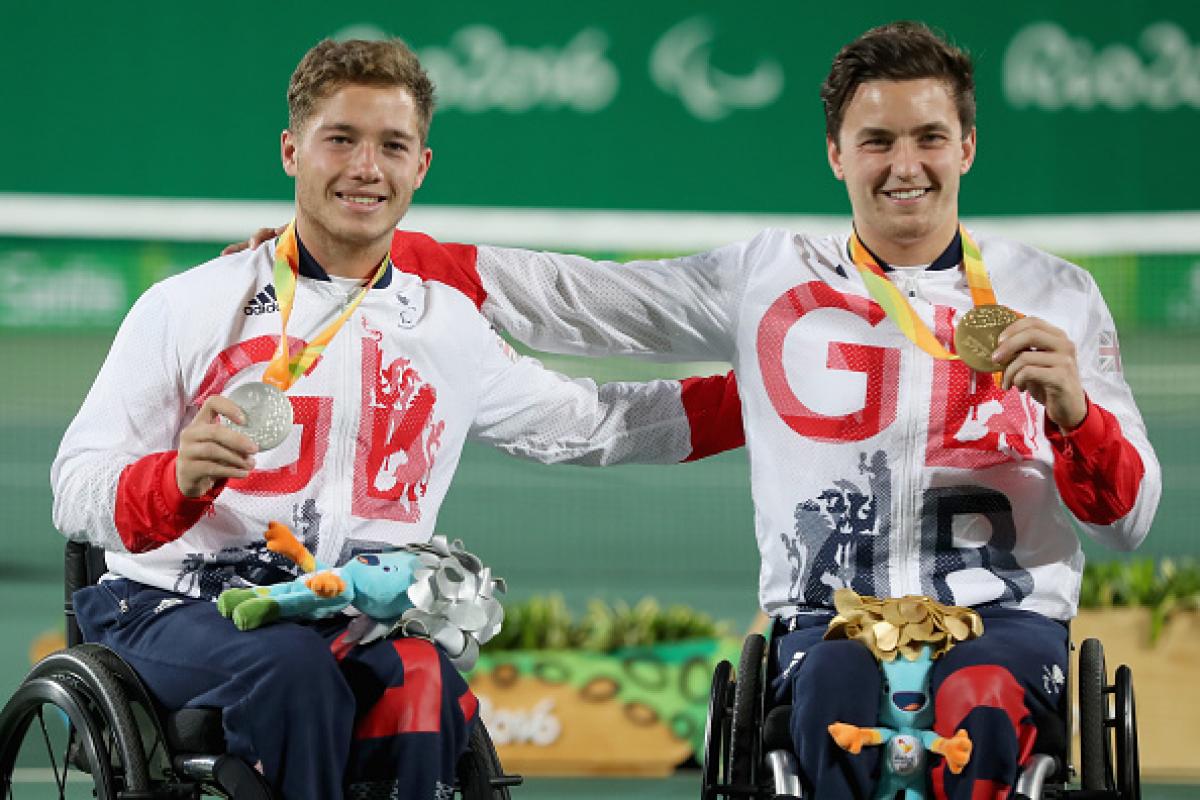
(60, 783)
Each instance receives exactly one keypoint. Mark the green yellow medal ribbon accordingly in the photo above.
(900, 311)
(285, 369)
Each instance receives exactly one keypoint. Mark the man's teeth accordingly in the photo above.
(907, 194)
(362, 201)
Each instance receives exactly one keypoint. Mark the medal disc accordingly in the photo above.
(268, 413)
(976, 333)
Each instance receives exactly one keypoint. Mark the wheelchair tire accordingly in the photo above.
(1129, 778)
(83, 668)
(478, 766)
(716, 732)
(83, 733)
(746, 727)
(1095, 752)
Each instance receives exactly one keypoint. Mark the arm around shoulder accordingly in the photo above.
(674, 309)
(534, 413)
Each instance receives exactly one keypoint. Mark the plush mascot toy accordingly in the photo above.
(437, 591)
(905, 635)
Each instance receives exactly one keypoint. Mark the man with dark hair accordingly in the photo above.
(908, 434)
(926, 412)
(881, 461)
(356, 364)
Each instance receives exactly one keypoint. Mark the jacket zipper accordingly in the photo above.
(907, 533)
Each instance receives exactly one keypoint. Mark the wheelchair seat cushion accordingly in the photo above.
(1051, 735)
(195, 730)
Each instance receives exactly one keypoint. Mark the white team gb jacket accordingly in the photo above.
(873, 465)
(380, 419)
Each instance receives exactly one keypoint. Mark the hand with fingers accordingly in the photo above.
(258, 237)
(1039, 358)
(210, 451)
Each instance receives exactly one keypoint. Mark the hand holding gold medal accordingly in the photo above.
(1023, 352)
(978, 332)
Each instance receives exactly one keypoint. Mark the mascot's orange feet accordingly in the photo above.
(326, 584)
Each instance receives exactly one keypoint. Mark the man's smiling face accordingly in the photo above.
(357, 162)
(901, 151)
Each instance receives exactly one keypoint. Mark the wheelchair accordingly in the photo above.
(83, 718)
(748, 753)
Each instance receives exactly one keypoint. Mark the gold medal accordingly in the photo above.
(976, 333)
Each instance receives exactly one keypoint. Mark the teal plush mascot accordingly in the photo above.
(437, 591)
(905, 635)
(377, 585)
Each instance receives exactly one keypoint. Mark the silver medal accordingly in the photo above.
(268, 413)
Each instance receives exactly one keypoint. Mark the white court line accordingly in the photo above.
(195, 220)
(45, 775)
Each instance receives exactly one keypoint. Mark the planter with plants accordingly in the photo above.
(618, 690)
(1145, 614)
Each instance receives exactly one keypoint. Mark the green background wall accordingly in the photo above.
(673, 104)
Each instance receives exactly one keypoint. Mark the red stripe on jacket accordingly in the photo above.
(150, 510)
(714, 412)
(1097, 470)
(451, 264)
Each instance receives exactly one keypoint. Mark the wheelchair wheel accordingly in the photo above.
(747, 713)
(1095, 752)
(1128, 765)
(480, 776)
(96, 732)
(50, 733)
(716, 731)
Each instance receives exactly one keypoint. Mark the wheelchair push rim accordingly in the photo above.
(716, 731)
(66, 742)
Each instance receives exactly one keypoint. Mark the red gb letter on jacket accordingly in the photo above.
(397, 438)
(312, 414)
(880, 365)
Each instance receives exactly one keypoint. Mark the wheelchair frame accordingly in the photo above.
(748, 749)
(129, 749)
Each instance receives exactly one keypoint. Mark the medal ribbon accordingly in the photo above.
(897, 307)
(285, 369)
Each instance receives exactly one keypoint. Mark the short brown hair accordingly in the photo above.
(330, 65)
(899, 51)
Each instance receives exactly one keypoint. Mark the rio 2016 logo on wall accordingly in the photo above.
(1048, 68)
(479, 70)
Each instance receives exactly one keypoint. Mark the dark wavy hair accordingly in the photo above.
(898, 51)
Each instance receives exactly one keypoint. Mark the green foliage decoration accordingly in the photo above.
(1165, 587)
(544, 622)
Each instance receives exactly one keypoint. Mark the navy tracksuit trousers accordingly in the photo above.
(388, 719)
(993, 687)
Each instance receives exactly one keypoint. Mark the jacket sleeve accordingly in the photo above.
(681, 309)
(114, 475)
(1106, 471)
(531, 412)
